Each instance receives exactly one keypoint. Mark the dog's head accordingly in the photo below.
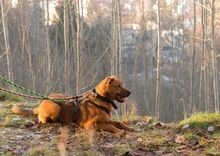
(112, 87)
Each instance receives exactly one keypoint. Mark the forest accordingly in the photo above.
(166, 52)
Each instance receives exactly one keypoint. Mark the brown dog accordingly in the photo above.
(93, 112)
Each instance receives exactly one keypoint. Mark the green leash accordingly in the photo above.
(43, 97)
(22, 88)
(37, 95)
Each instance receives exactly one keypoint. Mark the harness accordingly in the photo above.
(71, 107)
(100, 107)
(76, 102)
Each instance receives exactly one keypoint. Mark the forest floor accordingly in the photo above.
(23, 136)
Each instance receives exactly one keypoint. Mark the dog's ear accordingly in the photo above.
(109, 81)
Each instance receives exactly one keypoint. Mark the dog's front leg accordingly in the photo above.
(110, 128)
(121, 126)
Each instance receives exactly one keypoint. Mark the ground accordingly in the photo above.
(23, 136)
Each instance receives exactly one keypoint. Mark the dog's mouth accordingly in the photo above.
(120, 98)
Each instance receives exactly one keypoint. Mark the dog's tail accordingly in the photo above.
(23, 111)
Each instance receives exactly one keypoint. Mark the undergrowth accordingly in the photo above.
(10, 97)
(202, 120)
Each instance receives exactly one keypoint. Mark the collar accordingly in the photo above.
(104, 99)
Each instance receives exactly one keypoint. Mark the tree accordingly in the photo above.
(213, 54)
(79, 46)
(116, 55)
(48, 50)
(66, 45)
(193, 60)
(6, 38)
(157, 100)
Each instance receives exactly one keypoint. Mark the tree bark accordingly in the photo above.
(192, 104)
(78, 49)
(157, 100)
(213, 53)
(66, 46)
(48, 51)
(6, 38)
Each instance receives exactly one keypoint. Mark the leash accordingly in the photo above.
(35, 94)
(41, 98)
(22, 88)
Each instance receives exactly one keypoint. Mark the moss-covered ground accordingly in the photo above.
(24, 136)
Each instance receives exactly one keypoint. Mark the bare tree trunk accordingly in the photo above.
(203, 88)
(66, 46)
(117, 56)
(48, 51)
(213, 53)
(192, 104)
(78, 49)
(6, 38)
(206, 64)
(114, 39)
(120, 54)
(157, 100)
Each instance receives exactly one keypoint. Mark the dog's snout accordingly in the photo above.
(128, 92)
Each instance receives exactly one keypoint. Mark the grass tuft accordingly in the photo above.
(212, 151)
(42, 150)
(10, 97)
(190, 136)
(202, 120)
(121, 149)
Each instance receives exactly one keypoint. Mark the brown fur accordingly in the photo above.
(88, 115)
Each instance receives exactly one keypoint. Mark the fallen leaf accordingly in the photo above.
(179, 139)
(139, 140)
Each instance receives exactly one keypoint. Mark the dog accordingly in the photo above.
(94, 111)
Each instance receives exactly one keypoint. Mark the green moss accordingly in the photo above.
(10, 97)
(191, 136)
(12, 120)
(8, 118)
(121, 149)
(202, 120)
(153, 138)
(91, 152)
(42, 150)
(213, 151)
(8, 154)
(216, 135)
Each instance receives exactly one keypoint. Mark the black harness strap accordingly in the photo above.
(100, 107)
(104, 99)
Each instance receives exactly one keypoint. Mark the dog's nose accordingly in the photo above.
(128, 93)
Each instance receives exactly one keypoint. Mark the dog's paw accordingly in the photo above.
(121, 133)
(132, 129)
(136, 130)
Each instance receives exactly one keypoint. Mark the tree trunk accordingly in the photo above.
(157, 100)
(192, 104)
(78, 49)
(66, 46)
(48, 51)
(213, 53)
(117, 56)
(6, 38)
